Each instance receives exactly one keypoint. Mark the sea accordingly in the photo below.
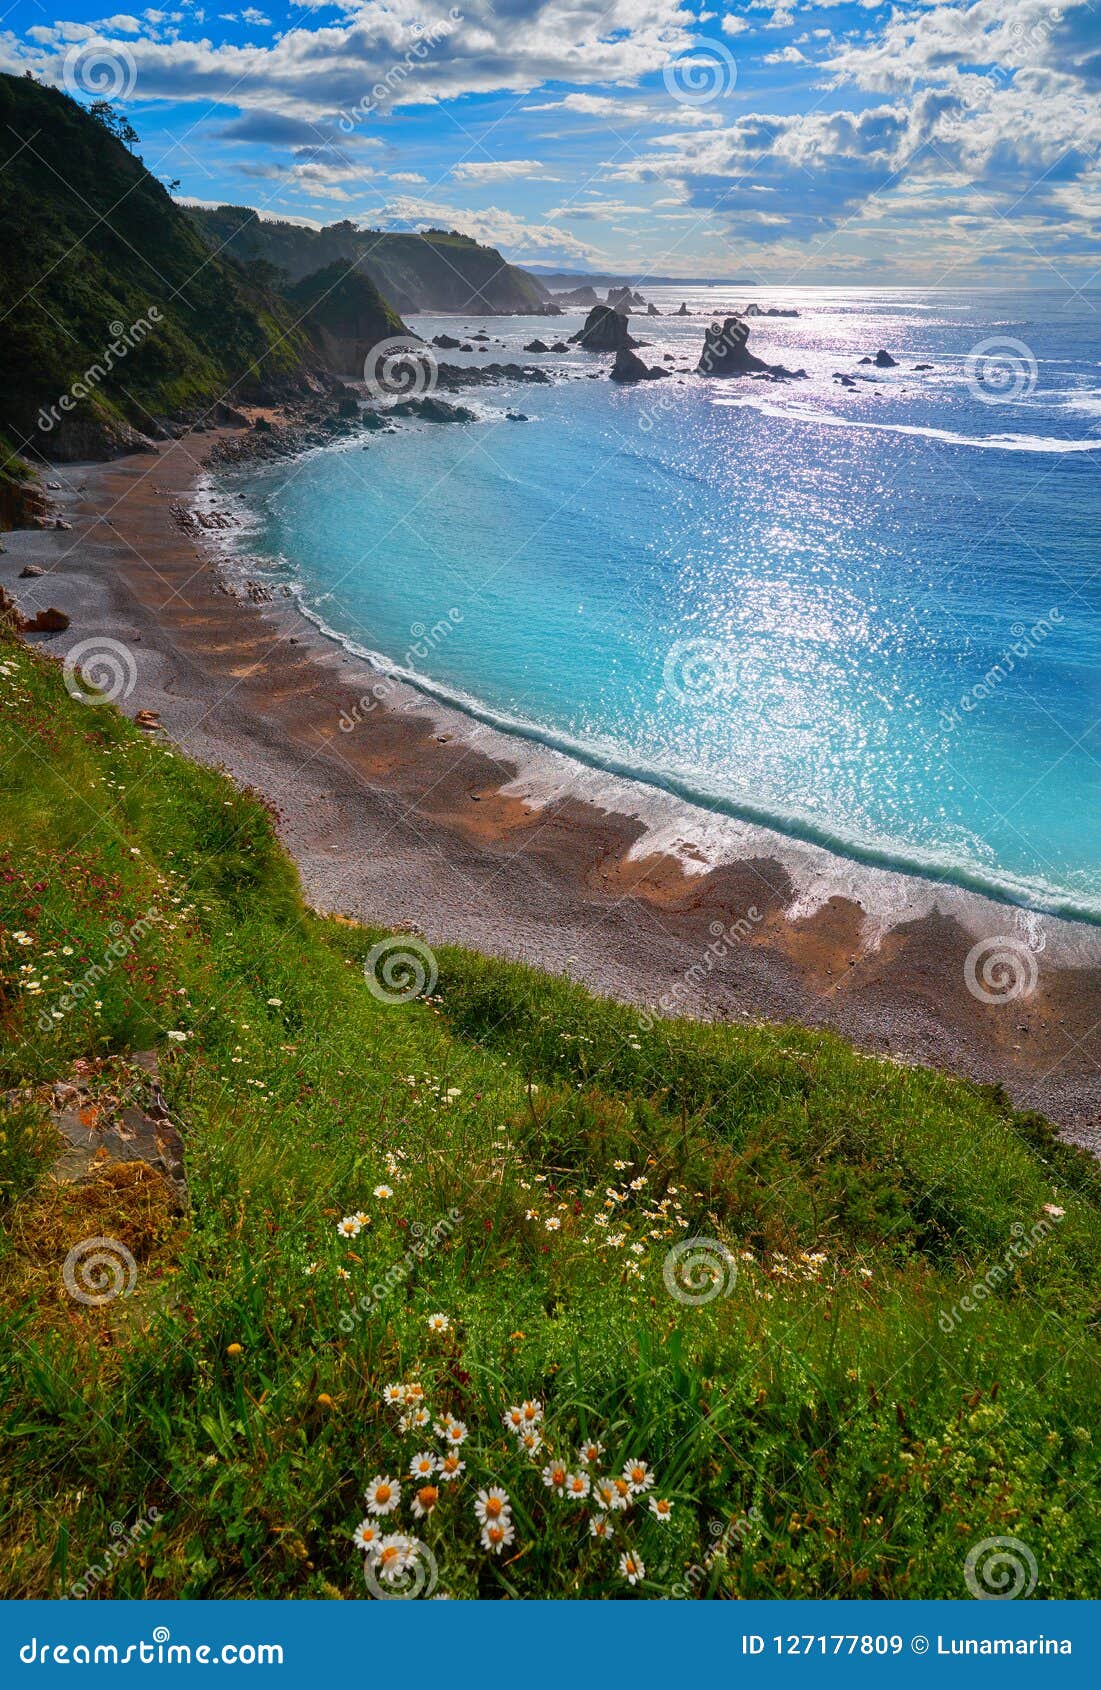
(864, 614)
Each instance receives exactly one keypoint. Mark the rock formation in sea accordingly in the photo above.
(628, 367)
(605, 330)
(725, 354)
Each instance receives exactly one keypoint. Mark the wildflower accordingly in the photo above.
(530, 1442)
(366, 1536)
(577, 1486)
(383, 1191)
(394, 1555)
(276, 1003)
(393, 1395)
(638, 1476)
(425, 1500)
(600, 1526)
(451, 1468)
(383, 1494)
(552, 1223)
(637, 1184)
(590, 1453)
(497, 1534)
(554, 1476)
(364, 1220)
(312, 1269)
(631, 1568)
(234, 1349)
(342, 1273)
(324, 1400)
(605, 1494)
(415, 1420)
(438, 1323)
(619, 1166)
(531, 1214)
(1054, 1211)
(492, 1505)
(175, 1037)
(532, 1410)
(350, 1227)
(661, 1508)
(422, 1466)
(453, 1432)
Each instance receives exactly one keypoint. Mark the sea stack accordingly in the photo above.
(605, 331)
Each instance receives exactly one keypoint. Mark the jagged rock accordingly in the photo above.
(652, 310)
(683, 310)
(770, 311)
(430, 409)
(348, 407)
(536, 346)
(559, 346)
(29, 571)
(51, 621)
(605, 330)
(725, 354)
(262, 425)
(149, 720)
(846, 381)
(517, 416)
(884, 361)
(446, 342)
(585, 295)
(629, 367)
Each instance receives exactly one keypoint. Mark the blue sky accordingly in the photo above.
(933, 142)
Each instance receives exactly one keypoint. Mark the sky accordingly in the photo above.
(923, 142)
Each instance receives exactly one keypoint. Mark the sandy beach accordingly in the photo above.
(419, 818)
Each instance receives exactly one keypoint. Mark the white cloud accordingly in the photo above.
(500, 170)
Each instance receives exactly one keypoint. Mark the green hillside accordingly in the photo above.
(882, 1357)
(438, 270)
(113, 311)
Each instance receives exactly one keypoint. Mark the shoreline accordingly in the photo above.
(422, 817)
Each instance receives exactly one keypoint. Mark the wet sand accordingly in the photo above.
(416, 817)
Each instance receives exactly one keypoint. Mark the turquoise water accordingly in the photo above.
(870, 617)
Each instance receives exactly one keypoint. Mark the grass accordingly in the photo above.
(827, 1416)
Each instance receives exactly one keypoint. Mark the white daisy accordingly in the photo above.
(554, 1476)
(424, 1500)
(631, 1568)
(577, 1486)
(589, 1453)
(661, 1508)
(451, 1468)
(497, 1534)
(638, 1476)
(422, 1466)
(395, 1553)
(383, 1191)
(350, 1227)
(383, 1494)
(438, 1323)
(600, 1526)
(366, 1536)
(492, 1505)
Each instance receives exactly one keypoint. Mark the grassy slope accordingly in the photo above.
(90, 238)
(867, 1448)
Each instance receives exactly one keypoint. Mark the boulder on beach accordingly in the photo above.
(51, 621)
(605, 331)
(536, 346)
(725, 353)
(884, 361)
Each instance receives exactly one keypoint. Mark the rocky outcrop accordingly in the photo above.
(769, 311)
(536, 346)
(725, 353)
(628, 367)
(652, 310)
(345, 317)
(882, 360)
(579, 296)
(682, 311)
(605, 331)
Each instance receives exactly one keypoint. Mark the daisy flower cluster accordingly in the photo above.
(626, 1216)
(607, 1496)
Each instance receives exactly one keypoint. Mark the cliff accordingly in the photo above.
(438, 270)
